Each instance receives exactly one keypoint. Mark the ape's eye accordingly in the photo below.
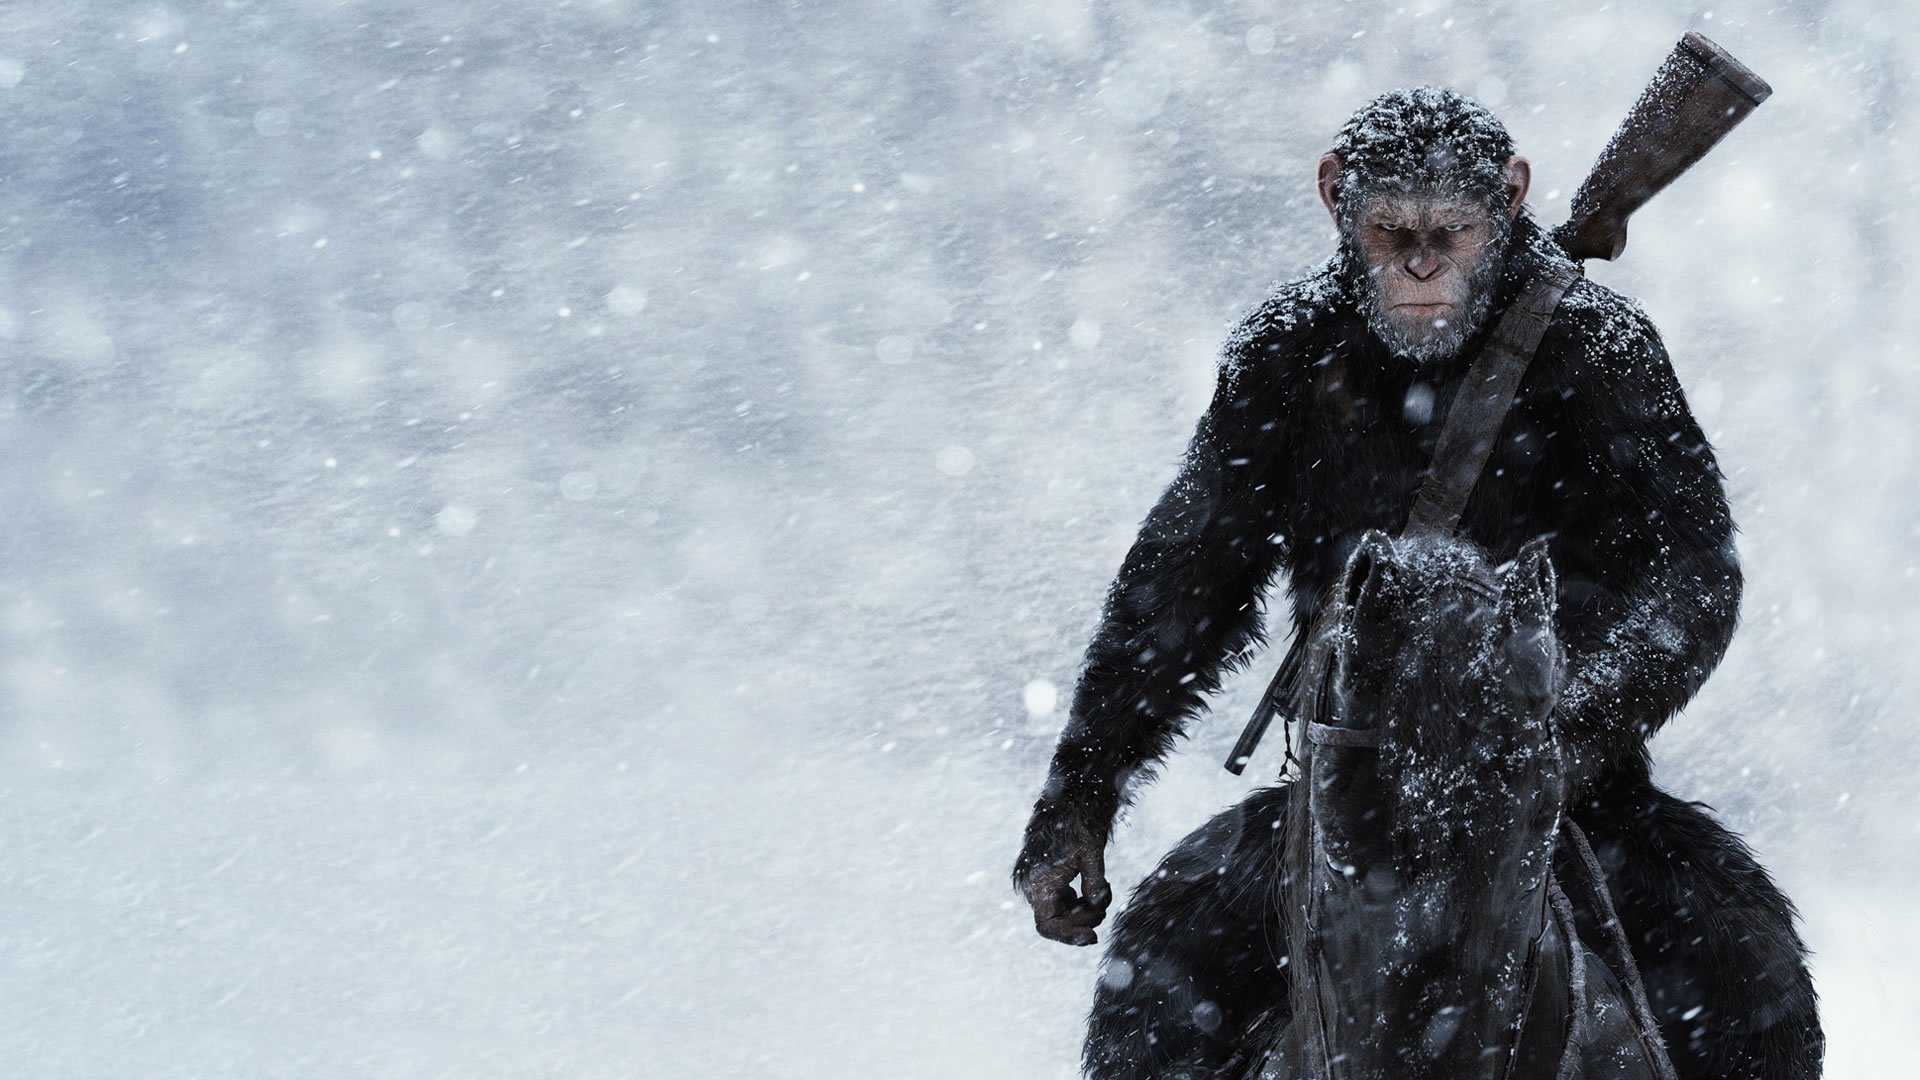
(1389, 227)
(1455, 227)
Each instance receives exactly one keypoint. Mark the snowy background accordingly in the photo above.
(552, 539)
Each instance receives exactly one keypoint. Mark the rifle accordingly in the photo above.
(1699, 93)
(1696, 97)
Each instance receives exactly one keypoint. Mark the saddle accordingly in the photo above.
(1298, 690)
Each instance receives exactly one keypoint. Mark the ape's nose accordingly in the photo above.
(1423, 264)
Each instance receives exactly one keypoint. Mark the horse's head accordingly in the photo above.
(1431, 637)
(1422, 864)
(1456, 664)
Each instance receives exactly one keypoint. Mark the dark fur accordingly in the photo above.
(1710, 931)
(1315, 435)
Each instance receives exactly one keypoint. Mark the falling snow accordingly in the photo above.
(557, 541)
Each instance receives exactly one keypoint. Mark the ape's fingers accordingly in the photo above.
(1093, 879)
(1060, 913)
(1066, 933)
(1083, 914)
(1065, 917)
(1042, 892)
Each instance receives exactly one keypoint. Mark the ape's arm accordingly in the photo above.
(1185, 604)
(1185, 601)
(1653, 589)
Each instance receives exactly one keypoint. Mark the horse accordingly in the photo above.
(1424, 860)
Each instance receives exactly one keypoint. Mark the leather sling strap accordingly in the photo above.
(1480, 406)
(1466, 441)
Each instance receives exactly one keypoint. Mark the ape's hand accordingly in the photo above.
(1065, 840)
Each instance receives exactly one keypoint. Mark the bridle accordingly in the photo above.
(1326, 721)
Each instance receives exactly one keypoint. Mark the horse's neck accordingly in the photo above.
(1424, 968)
(1427, 984)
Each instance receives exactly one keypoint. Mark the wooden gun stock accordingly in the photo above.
(1696, 97)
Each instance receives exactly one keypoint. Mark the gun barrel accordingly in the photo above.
(1698, 95)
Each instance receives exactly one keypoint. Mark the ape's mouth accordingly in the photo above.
(1426, 307)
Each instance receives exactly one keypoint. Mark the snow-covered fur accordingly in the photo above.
(1429, 139)
(1315, 435)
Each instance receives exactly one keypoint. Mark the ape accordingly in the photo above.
(1327, 404)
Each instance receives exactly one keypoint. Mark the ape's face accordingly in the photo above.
(1432, 255)
(1431, 265)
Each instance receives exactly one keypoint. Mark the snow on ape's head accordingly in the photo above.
(1424, 186)
(1426, 139)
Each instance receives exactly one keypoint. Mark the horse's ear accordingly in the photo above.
(1528, 584)
(1369, 568)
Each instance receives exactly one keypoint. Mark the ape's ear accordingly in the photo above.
(1519, 175)
(1370, 569)
(1528, 587)
(1329, 183)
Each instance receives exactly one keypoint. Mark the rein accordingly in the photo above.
(1593, 879)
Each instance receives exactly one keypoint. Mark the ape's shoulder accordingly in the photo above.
(1615, 367)
(1278, 337)
(1604, 335)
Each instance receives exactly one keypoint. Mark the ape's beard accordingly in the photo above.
(1419, 340)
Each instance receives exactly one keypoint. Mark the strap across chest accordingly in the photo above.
(1467, 437)
(1480, 406)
